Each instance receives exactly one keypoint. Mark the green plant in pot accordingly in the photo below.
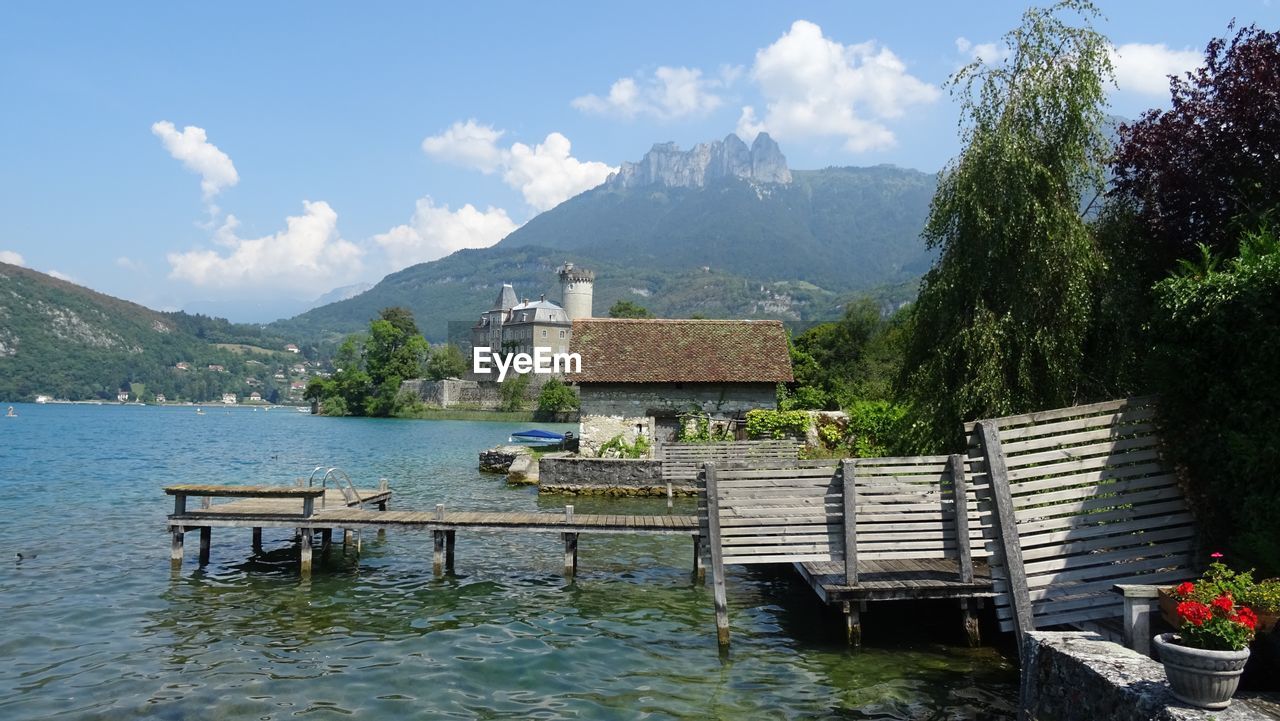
(1206, 656)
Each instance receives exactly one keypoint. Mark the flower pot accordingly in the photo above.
(1200, 677)
(1267, 620)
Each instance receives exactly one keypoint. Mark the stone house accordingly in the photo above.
(639, 376)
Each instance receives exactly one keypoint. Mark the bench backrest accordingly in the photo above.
(682, 461)
(1081, 500)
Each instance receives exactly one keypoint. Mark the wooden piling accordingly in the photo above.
(437, 557)
(699, 570)
(970, 619)
(206, 540)
(853, 623)
(175, 548)
(326, 539)
(257, 539)
(304, 551)
(570, 553)
(717, 557)
(449, 537)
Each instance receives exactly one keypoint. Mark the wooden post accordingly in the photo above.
(179, 504)
(448, 550)
(348, 536)
(439, 511)
(853, 623)
(699, 570)
(970, 620)
(1006, 527)
(717, 556)
(257, 539)
(175, 548)
(304, 555)
(308, 507)
(568, 515)
(437, 562)
(326, 539)
(570, 553)
(206, 540)
(964, 551)
(670, 497)
(1138, 602)
(849, 472)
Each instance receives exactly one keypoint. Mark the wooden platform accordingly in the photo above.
(889, 580)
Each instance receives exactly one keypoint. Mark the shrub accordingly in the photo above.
(765, 423)
(556, 397)
(617, 448)
(875, 428)
(1217, 327)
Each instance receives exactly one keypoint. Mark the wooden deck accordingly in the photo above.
(895, 580)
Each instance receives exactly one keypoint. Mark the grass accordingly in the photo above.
(464, 414)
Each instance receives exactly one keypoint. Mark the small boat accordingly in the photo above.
(12, 413)
(199, 411)
(536, 436)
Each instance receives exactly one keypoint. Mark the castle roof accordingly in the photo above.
(538, 311)
(506, 298)
(615, 350)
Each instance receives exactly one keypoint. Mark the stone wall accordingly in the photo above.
(598, 430)
(457, 393)
(499, 459)
(1075, 676)
(603, 476)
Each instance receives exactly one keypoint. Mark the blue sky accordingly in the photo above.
(242, 159)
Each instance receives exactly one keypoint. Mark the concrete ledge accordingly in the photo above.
(602, 476)
(1077, 676)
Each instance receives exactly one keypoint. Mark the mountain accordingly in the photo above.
(668, 166)
(64, 340)
(721, 230)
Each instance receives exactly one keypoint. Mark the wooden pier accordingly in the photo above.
(311, 509)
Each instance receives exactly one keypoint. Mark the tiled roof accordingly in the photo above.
(680, 351)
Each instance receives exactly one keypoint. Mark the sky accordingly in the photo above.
(243, 159)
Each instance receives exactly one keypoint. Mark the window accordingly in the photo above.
(561, 335)
(544, 332)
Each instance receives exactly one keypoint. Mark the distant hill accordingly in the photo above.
(66, 341)
(683, 233)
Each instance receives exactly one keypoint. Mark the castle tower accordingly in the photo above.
(576, 287)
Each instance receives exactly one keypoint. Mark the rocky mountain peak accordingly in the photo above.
(667, 165)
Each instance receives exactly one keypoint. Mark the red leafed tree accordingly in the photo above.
(1209, 167)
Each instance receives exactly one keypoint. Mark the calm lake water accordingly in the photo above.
(97, 627)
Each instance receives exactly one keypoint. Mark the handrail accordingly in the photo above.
(349, 492)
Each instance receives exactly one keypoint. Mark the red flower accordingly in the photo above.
(1246, 617)
(1185, 589)
(1215, 554)
(1224, 603)
(1194, 612)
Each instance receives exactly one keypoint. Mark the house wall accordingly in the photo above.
(633, 409)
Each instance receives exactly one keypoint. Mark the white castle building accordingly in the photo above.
(522, 326)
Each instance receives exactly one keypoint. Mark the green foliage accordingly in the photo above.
(766, 423)
(557, 397)
(1002, 319)
(841, 362)
(370, 368)
(875, 428)
(446, 361)
(513, 390)
(628, 309)
(696, 427)
(1218, 340)
(617, 448)
(64, 340)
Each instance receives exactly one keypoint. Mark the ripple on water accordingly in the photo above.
(98, 628)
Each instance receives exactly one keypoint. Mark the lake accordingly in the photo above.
(96, 626)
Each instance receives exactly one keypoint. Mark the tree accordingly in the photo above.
(1001, 320)
(446, 361)
(513, 389)
(556, 396)
(628, 309)
(1208, 169)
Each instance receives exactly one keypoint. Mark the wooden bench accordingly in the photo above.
(841, 516)
(681, 462)
(1079, 500)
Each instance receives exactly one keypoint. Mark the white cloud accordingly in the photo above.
(435, 231)
(61, 276)
(1145, 68)
(12, 258)
(128, 263)
(467, 144)
(985, 53)
(816, 87)
(669, 94)
(192, 147)
(307, 254)
(546, 174)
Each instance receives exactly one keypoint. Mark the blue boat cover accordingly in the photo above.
(539, 435)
